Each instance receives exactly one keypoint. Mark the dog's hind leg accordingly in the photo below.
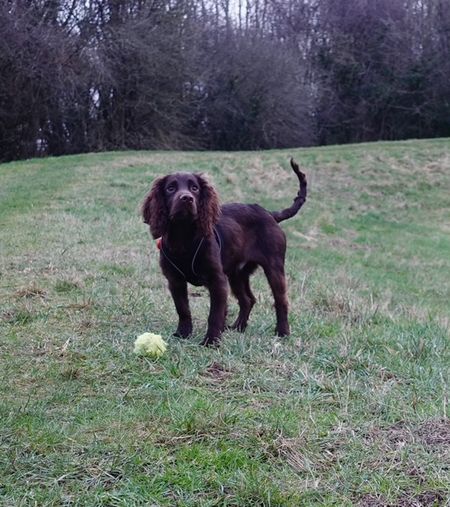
(240, 286)
(277, 281)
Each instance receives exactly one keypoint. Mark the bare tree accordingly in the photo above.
(254, 96)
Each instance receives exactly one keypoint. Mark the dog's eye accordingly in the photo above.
(194, 188)
(171, 188)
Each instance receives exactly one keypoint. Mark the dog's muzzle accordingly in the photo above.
(184, 204)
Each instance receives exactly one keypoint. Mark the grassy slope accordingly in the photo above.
(351, 409)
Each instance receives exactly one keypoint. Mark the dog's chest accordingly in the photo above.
(189, 265)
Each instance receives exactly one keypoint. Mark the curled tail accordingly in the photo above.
(299, 200)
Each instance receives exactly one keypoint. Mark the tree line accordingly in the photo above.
(89, 75)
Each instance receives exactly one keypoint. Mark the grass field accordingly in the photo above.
(351, 409)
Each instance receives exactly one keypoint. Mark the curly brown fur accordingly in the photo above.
(154, 209)
(209, 206)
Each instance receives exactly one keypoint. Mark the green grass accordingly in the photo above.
(351, 409)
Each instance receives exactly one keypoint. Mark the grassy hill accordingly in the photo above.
(351, 409)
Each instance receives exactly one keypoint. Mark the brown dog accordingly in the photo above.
(205, 244)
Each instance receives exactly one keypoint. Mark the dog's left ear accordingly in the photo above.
(154, 209)
(209, 206)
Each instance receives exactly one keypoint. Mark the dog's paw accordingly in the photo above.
(239, 326)
(183, 332)
(210, 342)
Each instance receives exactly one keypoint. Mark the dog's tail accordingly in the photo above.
(298, 201)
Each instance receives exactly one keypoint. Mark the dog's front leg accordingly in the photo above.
(178, 289)
(218, 291)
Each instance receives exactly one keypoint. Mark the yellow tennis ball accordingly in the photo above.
(149, 344)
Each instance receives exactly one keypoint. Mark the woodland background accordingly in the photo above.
(93, 75)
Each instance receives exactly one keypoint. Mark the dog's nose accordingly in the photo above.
(187, 198)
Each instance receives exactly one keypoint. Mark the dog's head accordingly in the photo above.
(182, 197)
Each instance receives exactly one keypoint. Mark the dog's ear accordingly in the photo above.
(154, 209)
(209, 206)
